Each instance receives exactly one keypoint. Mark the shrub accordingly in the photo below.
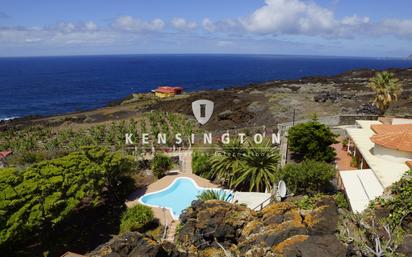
(201, 164)
(354, 162)
(341, 201)
(307, 202)
(400, 203)
(214, 195)
(136, 218)
(160, 164)
(312, 140)
(308, 177)
(28, 157)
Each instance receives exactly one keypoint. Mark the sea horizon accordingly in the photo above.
(205, 54)
(53, 85)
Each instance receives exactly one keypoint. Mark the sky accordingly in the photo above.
(370, 28)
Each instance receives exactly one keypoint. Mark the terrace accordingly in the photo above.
(381, 153)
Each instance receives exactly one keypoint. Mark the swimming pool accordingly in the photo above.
(176, 197)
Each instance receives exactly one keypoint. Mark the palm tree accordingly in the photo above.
(227, 160)
(387, 89)
(258, 168)
(211, 194)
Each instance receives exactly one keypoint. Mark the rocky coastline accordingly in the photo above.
(266, 103)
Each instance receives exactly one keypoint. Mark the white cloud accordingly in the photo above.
(354, 20)
(208, 25)
(90, 26)
(128, 23)
(66, 27)
(182, 24)
(289, 16)
(59, 34)
(298, 17)
(396, 26)
(277, 17)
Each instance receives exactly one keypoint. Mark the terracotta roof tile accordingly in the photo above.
(399, 141)
(4, 154)
(387, 128)
(167, 89)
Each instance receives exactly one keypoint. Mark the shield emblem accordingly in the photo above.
(203, 110)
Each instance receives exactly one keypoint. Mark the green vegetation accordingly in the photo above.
(44, 194)
(341, 200)
(170, 124)
(312, 140)
(37, 143)
(387, 89)
(307, 177)
(400, 204)
(258, 168)
(381, 229)
(160, 164)
(136, 218)
(246, 167)
(307, 202)
(201, 164)
(34, 144)
(227, 161)
(214, 195)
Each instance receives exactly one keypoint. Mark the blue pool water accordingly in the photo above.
(177, 197)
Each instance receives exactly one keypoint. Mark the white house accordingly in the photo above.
(382, 150)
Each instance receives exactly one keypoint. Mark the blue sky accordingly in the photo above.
(323, 27)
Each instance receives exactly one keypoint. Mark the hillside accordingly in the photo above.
(252, 105)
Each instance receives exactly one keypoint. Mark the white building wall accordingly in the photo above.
(391, 154)
(396, 121)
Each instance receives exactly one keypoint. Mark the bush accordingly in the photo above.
(400, 203)
(341, 201)
(308, 202)
(136, 218)
(27, 157)
(201, 164)
(308, 177)
(312, 140)
(160, 164)
(214, 195)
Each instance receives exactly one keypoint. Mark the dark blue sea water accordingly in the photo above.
(52, 85)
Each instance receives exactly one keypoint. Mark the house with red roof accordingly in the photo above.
(167, 91)
(382, 152)
(3, 157)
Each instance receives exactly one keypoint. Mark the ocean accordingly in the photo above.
(55, 85)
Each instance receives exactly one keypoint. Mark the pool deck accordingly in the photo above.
(162, 183)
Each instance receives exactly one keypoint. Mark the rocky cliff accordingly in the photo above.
(216, 228)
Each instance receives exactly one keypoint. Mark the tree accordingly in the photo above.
(214, 195)
(307, 177)
(387, 89)
(312, 140)
(250, 167)
(257, 168)
(160, 164)
(227, 160)
(44, 194)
